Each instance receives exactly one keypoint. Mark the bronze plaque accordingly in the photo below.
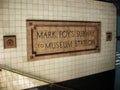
(108, 36)
(49, 39)
(9, 41)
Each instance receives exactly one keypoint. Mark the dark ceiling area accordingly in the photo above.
(115, 2)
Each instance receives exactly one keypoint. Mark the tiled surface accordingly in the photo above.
(13, 81)
(13, 16)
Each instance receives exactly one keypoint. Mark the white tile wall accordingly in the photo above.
(13, 81)
(13, 16)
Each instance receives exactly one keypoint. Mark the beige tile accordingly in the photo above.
(13, 21)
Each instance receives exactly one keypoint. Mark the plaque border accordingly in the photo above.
(31, 54)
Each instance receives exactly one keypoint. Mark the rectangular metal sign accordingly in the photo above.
(52, 39)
